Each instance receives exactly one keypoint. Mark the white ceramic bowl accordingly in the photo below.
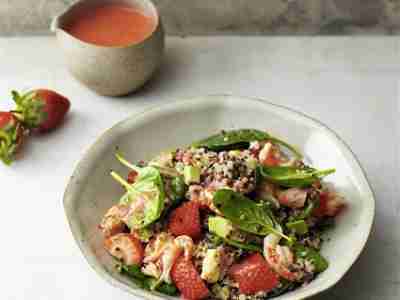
(91, 191)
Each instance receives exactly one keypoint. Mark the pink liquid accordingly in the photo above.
(111, 25)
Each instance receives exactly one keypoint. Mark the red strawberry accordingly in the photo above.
(11, 137)
(253, 275)
(185, 220)
(41, 109)
(188, 280)
(132, 176)
(330, 204)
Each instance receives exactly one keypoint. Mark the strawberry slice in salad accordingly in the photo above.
(185, 220)
(188, 280)
(253, 275)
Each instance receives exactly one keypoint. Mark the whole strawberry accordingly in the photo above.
(11, 137)
(40, 109)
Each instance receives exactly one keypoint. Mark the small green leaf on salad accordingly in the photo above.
(146, 194)
(307, 210)
(223, 230)
(293, 176)
(246, 214)
(178, 189)
(299, 226)
(240, 139)
(319, 262)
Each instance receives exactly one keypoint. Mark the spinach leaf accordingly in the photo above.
(246, 214)
(320, 263)
(312, 204)
(149, 188)
(293, 176)
(240, 139)
(218, 240)
(167, 289)
(298, 226)
(147, 282)
(178, 190)
(244, 246)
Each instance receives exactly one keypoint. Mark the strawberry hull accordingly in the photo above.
(11, 137)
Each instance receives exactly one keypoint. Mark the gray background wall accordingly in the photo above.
(184, 17)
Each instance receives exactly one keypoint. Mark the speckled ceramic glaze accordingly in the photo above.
(91, 190)
(111, 71)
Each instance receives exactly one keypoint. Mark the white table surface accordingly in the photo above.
(351, 84)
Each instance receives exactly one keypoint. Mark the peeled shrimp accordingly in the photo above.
(162, 252)
(156, 247)
(125, 247)
(186, 243)
(112, 222)
(293, 197)
(271, 155)
(280, 258)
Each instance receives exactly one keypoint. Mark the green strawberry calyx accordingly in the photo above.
(30, 109)
(9, 142)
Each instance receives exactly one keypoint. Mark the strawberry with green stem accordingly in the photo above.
(11, 137)
(40, 109)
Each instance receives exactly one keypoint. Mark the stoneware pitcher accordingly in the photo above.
(111, 71)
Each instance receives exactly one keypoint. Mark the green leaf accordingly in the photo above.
(167, 289)
(308, 210)
(240, 139)
(147, 282)
(247, 215)
(178, 190)
(293, 176)
(284, 287)
(148, 187)
(245, 246)
(222, 228)
(319, 262)
(299, 226)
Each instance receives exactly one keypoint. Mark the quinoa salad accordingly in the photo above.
(238, 215)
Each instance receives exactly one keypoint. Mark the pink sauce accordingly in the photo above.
(111, 25)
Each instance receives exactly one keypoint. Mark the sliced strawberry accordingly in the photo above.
(185, 220)
(253, 275)
(132, 176)
(330, 204)
(11, 137)
(41, 109)
(125, 247)
(188, 280)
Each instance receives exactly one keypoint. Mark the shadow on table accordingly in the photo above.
(175, 62)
